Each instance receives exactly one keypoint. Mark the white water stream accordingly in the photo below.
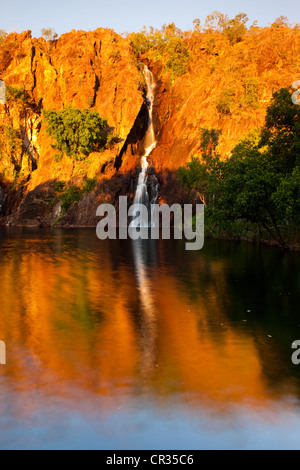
(141, 195)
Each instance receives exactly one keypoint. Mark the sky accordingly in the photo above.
(131, 15)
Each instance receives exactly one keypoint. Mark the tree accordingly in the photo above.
(259, 185)
(198, 176)
(49, 34)
(281, 21)
(235, 29)
(178, 56)
(215, 22)
(77, 133)
(197, 25)
(281, 133)
(3, 35)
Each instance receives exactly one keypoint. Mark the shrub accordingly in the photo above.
(16, 94)
(59, 186)
(89, 185)
(251, 92)
(74, 193)
(71, 195)
(225, 101)
(10, 143)
(77, 133)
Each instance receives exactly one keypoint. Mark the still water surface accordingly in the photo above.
(143, 345)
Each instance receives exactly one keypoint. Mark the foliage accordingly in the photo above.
(215, 22)
(225, 101)
(259, 185)
(235, 29)
(89, 185)
(16, 94)
(112, 139)
(282, 21)
(77, 133)
(7, 51)
(73, 193)
(49, 34)
(59, 186)
(10, 143)
(166, 43)
(198, 176)
(3, 35)
(179, 57)
(197, 25)
(251, 91)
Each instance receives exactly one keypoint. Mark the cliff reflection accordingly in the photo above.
(120, 319)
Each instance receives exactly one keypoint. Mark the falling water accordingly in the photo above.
(140, 247)
(141, 195)
(2, 92)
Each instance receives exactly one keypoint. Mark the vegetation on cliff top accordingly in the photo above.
(256, 192)
(170, 44)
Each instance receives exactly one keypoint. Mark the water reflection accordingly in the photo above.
(135, 327)
(147, 322)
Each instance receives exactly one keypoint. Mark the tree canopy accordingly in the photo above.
(259, 185)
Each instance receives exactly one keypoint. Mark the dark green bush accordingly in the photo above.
(71, 195)
(89, 185)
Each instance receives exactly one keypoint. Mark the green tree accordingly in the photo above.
(179, 57)
(49, 34)
(235, 29)
(281, 133)
(259, 185)
(199, 174)
(140, 42)
(77, 133)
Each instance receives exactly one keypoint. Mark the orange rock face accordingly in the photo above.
(85, 70)
(245, 74)
(227, 87)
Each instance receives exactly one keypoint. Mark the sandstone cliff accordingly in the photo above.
(226, 86)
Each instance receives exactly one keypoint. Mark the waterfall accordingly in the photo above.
(2, 92)
(141, 195)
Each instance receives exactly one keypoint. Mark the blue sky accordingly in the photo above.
(131, 15)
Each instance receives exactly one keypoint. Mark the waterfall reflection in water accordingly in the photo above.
(87, 321)
(148, 326)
